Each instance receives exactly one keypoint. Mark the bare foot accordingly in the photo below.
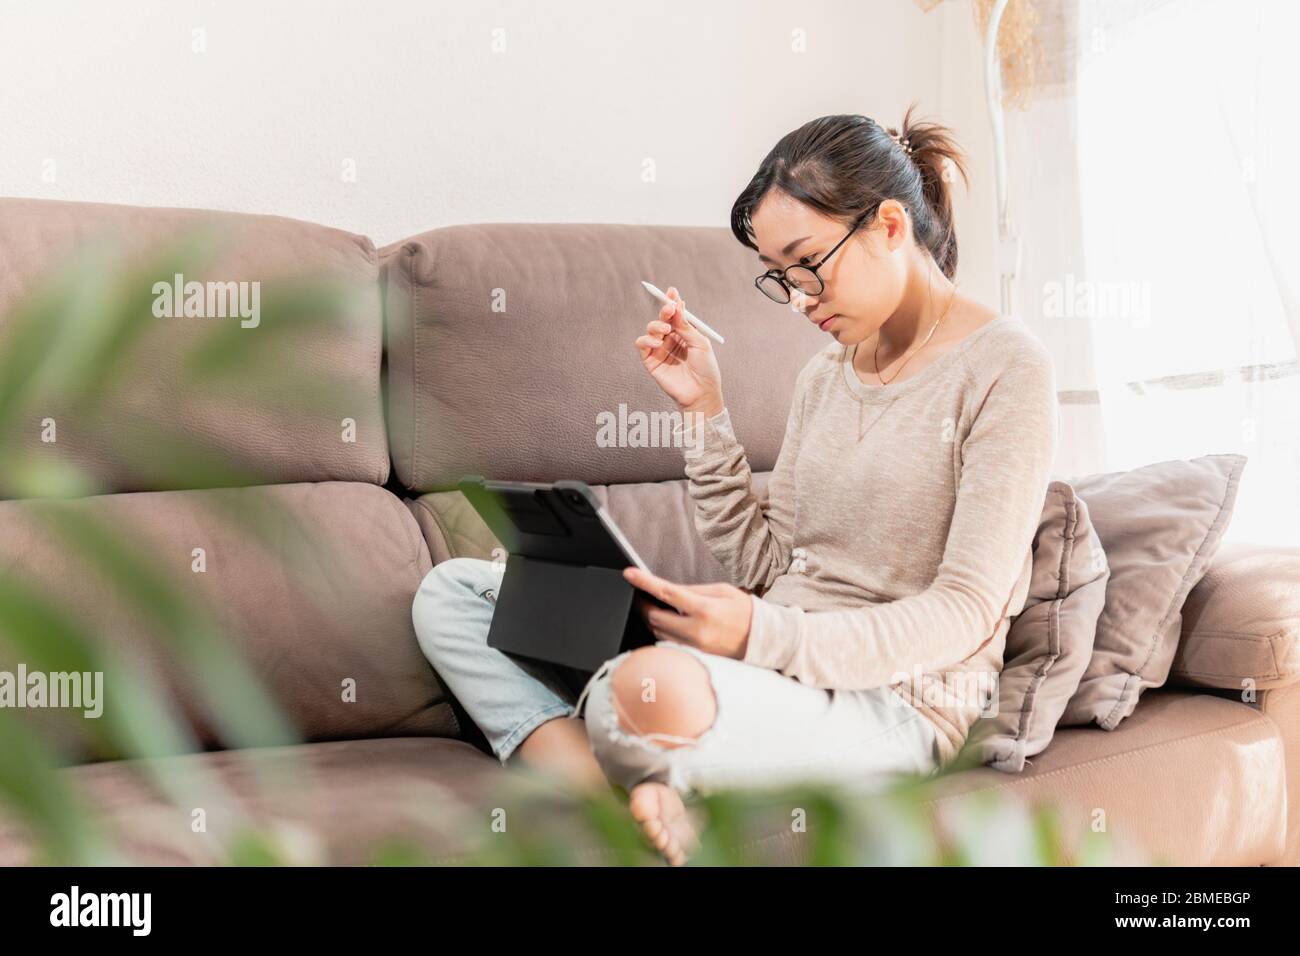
(663, 817)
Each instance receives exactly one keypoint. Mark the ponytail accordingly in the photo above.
(936, 154)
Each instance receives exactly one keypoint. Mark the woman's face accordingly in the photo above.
(864, 280)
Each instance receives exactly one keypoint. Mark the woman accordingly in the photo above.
(872, 583)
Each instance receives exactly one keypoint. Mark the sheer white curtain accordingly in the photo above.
(1153, 189)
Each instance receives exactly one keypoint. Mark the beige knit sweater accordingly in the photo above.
(895, 558)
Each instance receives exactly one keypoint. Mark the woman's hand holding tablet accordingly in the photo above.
(712, 617)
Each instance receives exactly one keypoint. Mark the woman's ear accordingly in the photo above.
(892, 219)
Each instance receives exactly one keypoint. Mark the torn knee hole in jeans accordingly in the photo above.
(622, 729)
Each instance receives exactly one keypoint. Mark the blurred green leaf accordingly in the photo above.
(253, 847)
(47, 477)
(30, 784)
(398, 853)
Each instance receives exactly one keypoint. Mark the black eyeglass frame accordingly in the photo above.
(779, 274)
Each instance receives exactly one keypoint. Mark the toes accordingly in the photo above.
(644, 804)
(666, 844)
(666, 822)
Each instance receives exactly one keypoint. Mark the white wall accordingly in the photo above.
(112, 102)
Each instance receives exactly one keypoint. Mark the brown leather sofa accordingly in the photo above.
(499, 350)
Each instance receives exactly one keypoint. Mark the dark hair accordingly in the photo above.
(845, 165)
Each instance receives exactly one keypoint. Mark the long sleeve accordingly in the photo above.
(1006, 461)
(749, 534)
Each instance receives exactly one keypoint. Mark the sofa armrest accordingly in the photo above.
(1241, 622)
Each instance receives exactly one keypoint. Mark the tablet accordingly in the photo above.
(563, 522)
(563, 597)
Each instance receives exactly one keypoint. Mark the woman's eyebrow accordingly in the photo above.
(787, 250)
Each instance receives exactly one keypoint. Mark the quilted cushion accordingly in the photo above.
(1050, 641)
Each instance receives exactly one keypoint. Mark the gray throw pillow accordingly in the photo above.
(1050, 640)
(1160, 526)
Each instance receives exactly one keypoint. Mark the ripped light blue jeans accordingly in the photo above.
(769, 729)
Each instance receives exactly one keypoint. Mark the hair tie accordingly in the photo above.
(902, 141)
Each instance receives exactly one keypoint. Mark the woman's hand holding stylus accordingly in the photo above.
(712, 617)
(680, 359)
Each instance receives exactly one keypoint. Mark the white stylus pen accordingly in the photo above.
(698, 323)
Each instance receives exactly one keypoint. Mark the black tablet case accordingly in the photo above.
(563, 598)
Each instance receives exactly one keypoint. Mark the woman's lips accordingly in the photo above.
(825, 324)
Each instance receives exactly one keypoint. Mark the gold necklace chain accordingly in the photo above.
(862, 432)
(876, 351)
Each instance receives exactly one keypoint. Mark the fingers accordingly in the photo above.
(716, 589)
(674, 314)
(668, 308)
(666, 591)
(654, 617)
(659, 335)
(668, 625)
(665, 350)
(656, 332)
(667, 324)
(693, 336)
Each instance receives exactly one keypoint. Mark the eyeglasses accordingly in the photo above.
(777, 284)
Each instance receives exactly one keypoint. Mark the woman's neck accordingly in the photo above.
(924, 302)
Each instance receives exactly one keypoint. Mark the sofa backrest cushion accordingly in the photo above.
(1241, 623)
(265, 368)
(656, 516)
(511, 355)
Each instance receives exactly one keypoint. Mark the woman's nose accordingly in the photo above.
(802, 302)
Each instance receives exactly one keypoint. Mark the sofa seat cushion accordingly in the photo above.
(337, 803)
(311, 584)
(1282, 706)
(334, 803)
(1196, 779)
(1190, 778)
